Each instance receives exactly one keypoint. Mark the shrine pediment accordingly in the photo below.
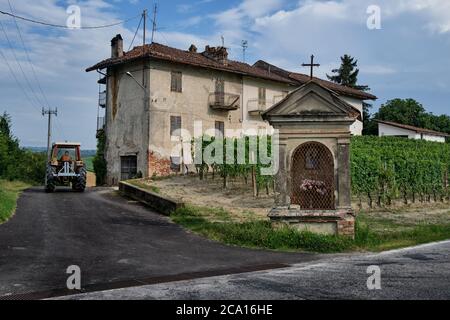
(312, 100)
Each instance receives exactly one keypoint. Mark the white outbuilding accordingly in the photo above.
(393, 129)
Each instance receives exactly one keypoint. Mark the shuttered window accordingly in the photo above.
(220, 128)
(175, 124)
(262, 97)
(176, 81)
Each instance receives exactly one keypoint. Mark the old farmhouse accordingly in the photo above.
(152, 91)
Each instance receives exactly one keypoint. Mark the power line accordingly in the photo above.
(18, 82)
(28, 57)
(20, 66)
(64, 26)
(140, 22)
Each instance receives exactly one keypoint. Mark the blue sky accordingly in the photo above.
(407, 58)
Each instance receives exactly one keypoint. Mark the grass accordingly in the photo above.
(140, 184)
(89, 163)
(9, 192)
(216, 224)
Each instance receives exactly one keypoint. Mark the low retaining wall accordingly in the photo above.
(153, 200)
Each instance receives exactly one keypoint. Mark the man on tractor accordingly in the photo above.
(66, 157)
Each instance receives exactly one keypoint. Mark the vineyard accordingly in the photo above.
(383, 169)
(244, 163)
(389, 168)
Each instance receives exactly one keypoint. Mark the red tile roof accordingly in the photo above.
(303, 78)
(261, 69)
(162, 52)
(412, 128)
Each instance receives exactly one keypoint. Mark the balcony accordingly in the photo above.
(224, 101)
(257, 106)
(100, 123)
(102, 99)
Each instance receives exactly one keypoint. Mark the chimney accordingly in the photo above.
(219, 54)
(193, 48)
(117, 46)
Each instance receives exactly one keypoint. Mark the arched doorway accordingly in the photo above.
(313, 177)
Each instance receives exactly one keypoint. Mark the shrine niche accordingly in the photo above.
(313, 177)
(312, 184)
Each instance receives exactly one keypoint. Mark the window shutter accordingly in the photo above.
(262, 97)
(220, 127)
(176, 82)
(175, 124)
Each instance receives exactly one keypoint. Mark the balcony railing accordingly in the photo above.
(100, 123)
(102, 99)
(257, 106)
(224, 101)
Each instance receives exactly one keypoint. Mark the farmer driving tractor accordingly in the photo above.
(66, 157)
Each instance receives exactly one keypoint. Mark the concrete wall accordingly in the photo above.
(126, 124)
(191, 104)
(387, 130)
(356, 128)
(274, 93)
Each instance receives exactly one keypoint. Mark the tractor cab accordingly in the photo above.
(66, 167)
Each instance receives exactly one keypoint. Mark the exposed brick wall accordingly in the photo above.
(346, 227)
(158, 166)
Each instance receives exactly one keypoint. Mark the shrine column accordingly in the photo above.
(281, 192)
(343, 172)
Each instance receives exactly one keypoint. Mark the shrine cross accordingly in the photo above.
(312, 65)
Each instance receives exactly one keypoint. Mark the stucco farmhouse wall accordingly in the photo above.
(388, 130)
(126, 128)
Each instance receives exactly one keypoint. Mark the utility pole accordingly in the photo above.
(49, 112)
(155, 10)
(144, 15)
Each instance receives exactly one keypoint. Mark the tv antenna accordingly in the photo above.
(244, 45)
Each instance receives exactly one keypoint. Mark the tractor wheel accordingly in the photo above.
(80, 182)
(51, 183)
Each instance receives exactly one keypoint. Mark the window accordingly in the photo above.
(220, 128)
(261, 97)
(176, 82)
(175, 124)
(128, 167)
(220, 92)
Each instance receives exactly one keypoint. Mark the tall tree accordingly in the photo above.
(347, 74)
(5, 125)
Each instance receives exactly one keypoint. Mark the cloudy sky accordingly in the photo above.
(407, 58)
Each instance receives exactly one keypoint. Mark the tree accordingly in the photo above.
(404, 111)
(99, 161)
(5, 125)
(347, 74)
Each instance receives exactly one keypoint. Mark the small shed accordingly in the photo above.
(312, 183)
(393, 129)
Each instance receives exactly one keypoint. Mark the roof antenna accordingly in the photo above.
(223, 41)
(244, 49)
(155, 11)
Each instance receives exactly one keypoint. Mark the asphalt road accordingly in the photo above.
(414, 273)
(115, 242)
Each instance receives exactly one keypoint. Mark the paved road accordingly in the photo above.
(115, 242)
(416, 273)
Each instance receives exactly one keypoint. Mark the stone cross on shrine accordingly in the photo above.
(312, 65)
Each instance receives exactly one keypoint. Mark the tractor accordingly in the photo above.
(65, 167)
